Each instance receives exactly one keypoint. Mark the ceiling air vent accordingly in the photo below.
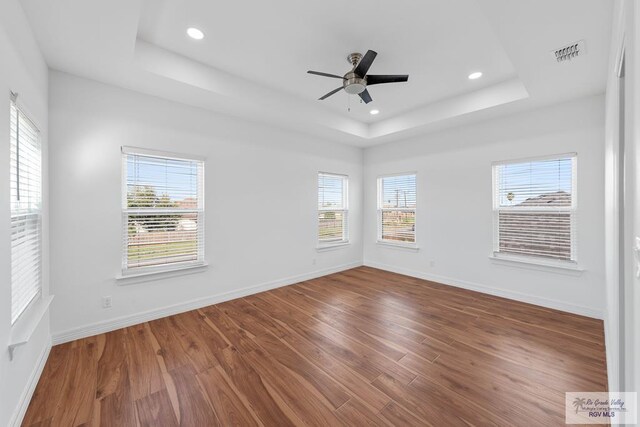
(569, 52)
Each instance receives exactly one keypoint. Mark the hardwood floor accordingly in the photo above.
(361, 347)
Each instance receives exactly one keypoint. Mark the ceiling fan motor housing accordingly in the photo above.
(354, 84)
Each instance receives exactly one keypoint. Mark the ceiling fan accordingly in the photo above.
(355, 82)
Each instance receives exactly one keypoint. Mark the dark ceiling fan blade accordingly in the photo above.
(364, 95)
(331, 93)
(378, 79)
(364, 64)
(318, 73)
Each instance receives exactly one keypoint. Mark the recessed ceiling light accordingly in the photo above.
(374, 112)
(475, 75)
(195, 33)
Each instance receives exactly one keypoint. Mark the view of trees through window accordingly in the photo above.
(162, 211)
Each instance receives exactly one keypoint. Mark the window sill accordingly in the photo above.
(566, 267)
(161, 273)
(332, 246)
(401, 246)
(24, 328)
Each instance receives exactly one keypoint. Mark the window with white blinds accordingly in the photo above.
(162, 211)
(535, 208)
(332, 209)
(397, 209)
(26, 212)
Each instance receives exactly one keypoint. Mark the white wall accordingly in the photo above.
(260, 192)
(454, 214)
(632, 198)
(622, 318)
(613, 202)
(22, 70)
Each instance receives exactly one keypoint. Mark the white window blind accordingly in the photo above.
(26, 212)
(332, 208)
(163, 211)
(535, 208)
(397, 209)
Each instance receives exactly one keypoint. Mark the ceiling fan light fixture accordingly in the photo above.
(195, 33)
(355, 88)
(354, 84)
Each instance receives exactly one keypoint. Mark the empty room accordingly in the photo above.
(279, 213)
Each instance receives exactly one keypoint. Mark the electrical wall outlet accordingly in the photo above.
(313, 261)
(432, 263)
(106, 302)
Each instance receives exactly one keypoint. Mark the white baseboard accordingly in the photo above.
(531, 299)
(134, 319)
(25, 398)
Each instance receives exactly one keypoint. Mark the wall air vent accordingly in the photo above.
(569, 52)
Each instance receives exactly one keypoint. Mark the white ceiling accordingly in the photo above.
(253, 60)
(277, 42)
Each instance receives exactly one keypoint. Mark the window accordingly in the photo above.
(535, 208)
(162, 211)
(397, 209)
(26, 212)
(332, 209)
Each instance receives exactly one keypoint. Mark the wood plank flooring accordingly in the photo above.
(361, 347)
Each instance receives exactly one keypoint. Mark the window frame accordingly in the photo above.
(200, 262)
(23, 114)
(381, 209)
(496, 254)
(320, 244)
